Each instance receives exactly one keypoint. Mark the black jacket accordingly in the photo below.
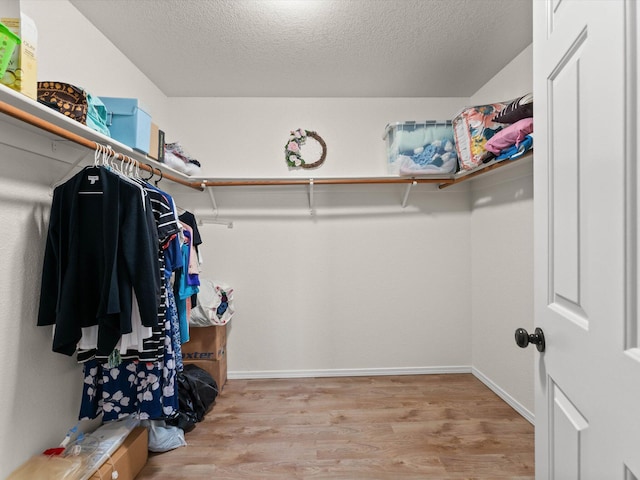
(101, 247)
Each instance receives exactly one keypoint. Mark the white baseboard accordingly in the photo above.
(348, 372)
(517, 406)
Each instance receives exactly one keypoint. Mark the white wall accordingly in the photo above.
(245, 137)
(500, 249)
(41, 389)
(502, 258)
(362, 286)
(365, 288)
(72, 50)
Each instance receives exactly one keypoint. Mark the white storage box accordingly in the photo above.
(419, 148)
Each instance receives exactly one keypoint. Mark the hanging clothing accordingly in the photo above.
(193, 271)
(133, 387)
(149, 347)
(182, 289)
(188, 218)
(145, 389)
(113, 243)
(98, 253)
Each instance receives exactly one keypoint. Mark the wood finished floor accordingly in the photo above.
(349, 428)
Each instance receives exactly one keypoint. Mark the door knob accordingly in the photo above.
(523, 338)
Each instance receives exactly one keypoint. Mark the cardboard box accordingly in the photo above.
(128, 122)
(22, 72)
(216, 368)
(205, 343)
(156, 143)
(128, 459)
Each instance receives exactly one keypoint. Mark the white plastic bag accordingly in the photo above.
(163, 437)
(215, 304)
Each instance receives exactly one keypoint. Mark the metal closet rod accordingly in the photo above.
(85, 142)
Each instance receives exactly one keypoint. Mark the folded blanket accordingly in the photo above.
(514, 152)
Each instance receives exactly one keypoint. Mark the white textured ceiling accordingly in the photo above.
(316, 48)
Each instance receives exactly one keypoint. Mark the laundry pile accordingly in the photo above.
(176, 157)
(497, 131)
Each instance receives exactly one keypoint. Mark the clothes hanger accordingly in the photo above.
(109, 159)
(97, 156)
(158, 180)
(137, 170)
(151, 170)
(130, 168)
(126, 174)
(104, 158)
(133, 171)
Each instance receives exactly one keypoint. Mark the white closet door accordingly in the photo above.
(586, 242)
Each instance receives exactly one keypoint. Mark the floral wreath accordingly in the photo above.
(292, 149)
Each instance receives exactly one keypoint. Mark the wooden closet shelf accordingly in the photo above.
(483, 169)
(18, 106)
(47, 126)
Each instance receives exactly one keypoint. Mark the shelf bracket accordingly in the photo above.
(311, 205)
(406, 193)
(214, 205)
(70, 169)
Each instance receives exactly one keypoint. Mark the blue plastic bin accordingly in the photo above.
(128, 123)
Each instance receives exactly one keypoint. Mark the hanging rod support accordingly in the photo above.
(214, 219)
(311, 212)
(406, 193)
(70, 169)
(214, 204)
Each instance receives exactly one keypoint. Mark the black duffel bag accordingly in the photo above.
(197, 392)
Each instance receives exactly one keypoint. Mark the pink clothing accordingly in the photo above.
(508, 136)
(193, 256)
